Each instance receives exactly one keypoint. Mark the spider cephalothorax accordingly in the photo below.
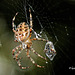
(22, 34)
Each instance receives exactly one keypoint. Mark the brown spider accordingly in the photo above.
(23, 34)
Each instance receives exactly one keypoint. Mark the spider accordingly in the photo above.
(22, 34)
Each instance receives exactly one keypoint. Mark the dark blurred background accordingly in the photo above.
(57, 18)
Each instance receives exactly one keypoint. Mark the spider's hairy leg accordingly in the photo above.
(13, 25)
(30, 18)
(40, 39)
(15, 56)
(34, 62)
(21, 67)
(15, 50)
(19, 62)
(38, 54)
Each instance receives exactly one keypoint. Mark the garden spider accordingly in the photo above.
(23, 34)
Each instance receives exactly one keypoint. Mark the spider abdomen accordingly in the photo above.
(22, 32)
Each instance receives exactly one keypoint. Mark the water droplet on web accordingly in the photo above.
(67, 34)
(46, 62)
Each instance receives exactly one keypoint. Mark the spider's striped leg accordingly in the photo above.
(19, 64)
(30, 23)
(16, 56)
(35, 51)
(40, 39)
(13, 25)
(34, 62)
(14, 51)
(38, 54)
(30, 19)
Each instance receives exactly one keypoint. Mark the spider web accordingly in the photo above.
(50, 20)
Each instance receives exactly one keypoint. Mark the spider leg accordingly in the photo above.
(39, 39)
(30, 19)
(15, 55)
(15, 50)
(38, 54)
(35, 51)
(30, 23)
(13, 25)
(33, 61)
